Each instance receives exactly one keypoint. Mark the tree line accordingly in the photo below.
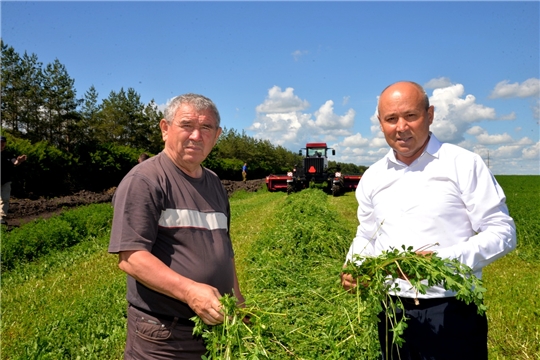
(77, 143)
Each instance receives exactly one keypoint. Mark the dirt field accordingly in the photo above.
(24, 210)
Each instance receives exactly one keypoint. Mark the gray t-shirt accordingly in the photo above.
(181, 220)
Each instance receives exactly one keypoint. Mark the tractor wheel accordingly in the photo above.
(336, 190)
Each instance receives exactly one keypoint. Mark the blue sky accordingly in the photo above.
(296, 72)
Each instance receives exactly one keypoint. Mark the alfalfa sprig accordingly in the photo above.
(242, 335)
(376, 275)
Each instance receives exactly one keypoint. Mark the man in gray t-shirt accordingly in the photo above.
(171, 232)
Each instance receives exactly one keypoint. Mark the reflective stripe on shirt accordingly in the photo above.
(192, 219)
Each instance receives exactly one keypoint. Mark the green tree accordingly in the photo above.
(125, 120)
(60, 104)
(90, 116)
(22, 98)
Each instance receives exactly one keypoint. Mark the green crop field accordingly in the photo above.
(68, 302)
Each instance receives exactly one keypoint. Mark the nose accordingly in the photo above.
(195, 135)
(401, 124)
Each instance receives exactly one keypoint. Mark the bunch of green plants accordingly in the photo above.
(241, 335)
(375, 278)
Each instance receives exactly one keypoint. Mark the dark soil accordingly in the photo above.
(24, 210)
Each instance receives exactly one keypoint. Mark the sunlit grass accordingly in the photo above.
(71, 303)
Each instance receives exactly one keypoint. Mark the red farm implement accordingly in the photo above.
(314, 169)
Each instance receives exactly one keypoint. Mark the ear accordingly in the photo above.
(218, 133)
(431, 112)
(164, 126)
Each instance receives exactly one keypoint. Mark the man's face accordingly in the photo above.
(3, 145)
(190, 137)
(405, 121)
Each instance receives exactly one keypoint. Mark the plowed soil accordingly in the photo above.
(24, 210)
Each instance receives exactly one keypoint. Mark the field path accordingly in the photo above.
(250, 215)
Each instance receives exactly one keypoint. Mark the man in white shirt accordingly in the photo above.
(426, 192)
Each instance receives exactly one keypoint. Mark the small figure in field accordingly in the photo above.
(244, 172)
(142, 157)
(171, 231)
(8, 164)
(425, 192)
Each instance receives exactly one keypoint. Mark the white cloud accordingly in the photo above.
(281, 120)
(356, 140)
(532, 152)
(507, 152)
(511, 116)
(298, 54)
(438, 83)
(454, 114)
(279, 101)
(327, 119)
(475, 130)
(536, 109)
(528, 88)
(486, 139)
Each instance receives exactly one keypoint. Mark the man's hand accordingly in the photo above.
(204, 300)
(347, 281)
(20, 159)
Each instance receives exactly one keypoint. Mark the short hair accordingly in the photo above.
(416, 85)
(199, 102)
(144, 156)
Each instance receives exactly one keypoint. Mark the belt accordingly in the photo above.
(178, 320)
(409, 303)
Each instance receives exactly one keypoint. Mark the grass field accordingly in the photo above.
(70, 304)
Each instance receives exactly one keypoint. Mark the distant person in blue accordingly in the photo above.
(8, 163)
(244, 172)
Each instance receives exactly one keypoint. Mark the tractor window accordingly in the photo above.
(315, 152)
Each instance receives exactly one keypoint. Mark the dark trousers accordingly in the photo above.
(438, 329)
(157, 337)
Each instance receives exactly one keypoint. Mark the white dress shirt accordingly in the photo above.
(446, 196)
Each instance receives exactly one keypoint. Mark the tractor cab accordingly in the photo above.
(315, 162)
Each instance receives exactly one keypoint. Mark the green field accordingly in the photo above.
(69, 304)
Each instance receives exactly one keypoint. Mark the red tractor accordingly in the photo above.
(314, 169)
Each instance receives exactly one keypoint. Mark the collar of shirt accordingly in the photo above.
(432, 148)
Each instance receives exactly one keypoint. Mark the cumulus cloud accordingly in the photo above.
(486, 139)
(528, 88)
(532, 152)
(327, 119)
(281, 119)
(438, 83)
(454, 112)
(475, 130)
(356, 140)
(279, 101)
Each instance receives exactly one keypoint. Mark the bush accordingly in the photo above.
(41, 237)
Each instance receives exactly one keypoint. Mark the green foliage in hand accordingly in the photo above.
(375, 278)
(240, 336)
